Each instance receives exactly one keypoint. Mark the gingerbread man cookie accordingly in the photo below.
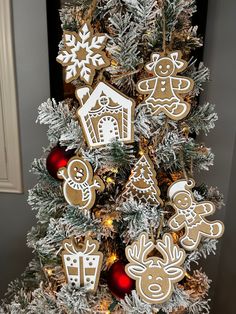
(164, 88)
(79, 183)
(191, 214)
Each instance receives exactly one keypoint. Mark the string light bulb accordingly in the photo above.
(104, 307)
(114, 170)
(108, 222)
(110, 180)
(175, 237)
(111, 259)
(114, 63)
(187, 275)
(49, 271)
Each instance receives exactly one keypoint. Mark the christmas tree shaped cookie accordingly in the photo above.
(142, 184)
(165, 87)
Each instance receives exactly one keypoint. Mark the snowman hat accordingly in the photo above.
(179, 186)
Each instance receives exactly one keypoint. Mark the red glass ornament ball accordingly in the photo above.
(57, 158)
(118, 281)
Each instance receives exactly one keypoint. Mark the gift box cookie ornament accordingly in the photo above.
(82, 263)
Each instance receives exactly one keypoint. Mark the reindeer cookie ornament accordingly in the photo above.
(79, 183)
(155, 276)
(191, 214)
(164, 88)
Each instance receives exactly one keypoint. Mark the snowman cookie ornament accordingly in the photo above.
(164, 87)
(80, 185)
(191, 214)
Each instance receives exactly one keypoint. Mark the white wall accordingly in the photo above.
(220, 52)
(29, 19)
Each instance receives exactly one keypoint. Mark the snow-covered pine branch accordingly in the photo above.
(123, 47)
(63, 126)
(206, 247)
(138, 217)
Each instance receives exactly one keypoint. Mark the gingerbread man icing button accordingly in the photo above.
(191, 215)
(165, 87)
(80, 184)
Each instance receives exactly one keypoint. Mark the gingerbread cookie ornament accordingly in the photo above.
(82, 263)
(82, 54)
(165, 87)
(80, 185)
(155, 276)
(105, 115)
(191, 214)
(142, 184)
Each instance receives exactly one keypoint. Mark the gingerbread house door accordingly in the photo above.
(108, 129)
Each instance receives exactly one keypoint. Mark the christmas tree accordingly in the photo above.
(120, 219)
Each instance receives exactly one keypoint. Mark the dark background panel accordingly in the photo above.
(54, 38)
(200, 19)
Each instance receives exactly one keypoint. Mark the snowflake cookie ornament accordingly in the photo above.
(155, 276)
(191, 214)
(164, 88)
(83, 54)
(105, 115)
(82, 263)
(80, 185)
(142, 184)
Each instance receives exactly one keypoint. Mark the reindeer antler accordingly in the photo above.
(137, 252)
(172, 254)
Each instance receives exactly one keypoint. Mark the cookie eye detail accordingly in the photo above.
(185, 198)
(160, 67)
(179, 201)
(75, 168)
(168, 66)
(149, 277)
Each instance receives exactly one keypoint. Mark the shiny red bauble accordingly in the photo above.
(118, 281)
(57, 158)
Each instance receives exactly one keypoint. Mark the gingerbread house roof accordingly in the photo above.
(107, 90)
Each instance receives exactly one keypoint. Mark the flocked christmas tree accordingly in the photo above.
(120, 219)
